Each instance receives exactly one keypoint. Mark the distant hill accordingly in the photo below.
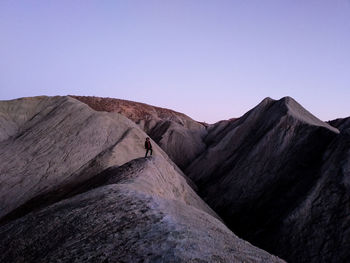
(177, 134)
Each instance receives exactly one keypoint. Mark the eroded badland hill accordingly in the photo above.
(75, 187)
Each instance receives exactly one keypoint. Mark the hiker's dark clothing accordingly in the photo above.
(148, 147)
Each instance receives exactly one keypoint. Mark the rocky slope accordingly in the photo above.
(277, 177)
(322, 220)
(142, 211)
(65, 197)
(177, 134)
(48, 142)
(341, 124)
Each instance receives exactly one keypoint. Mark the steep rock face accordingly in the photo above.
(321, 223)
(258, 169)
(52, 141)
(177, 134)
(143, 211)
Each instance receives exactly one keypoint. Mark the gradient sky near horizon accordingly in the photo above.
(211, 60)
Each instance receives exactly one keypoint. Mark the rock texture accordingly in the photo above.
(72, 188)
(143, 211)
(321, 223)
(48, 142)
(259, 174)
(177, 134)
(341, 124)
(65, 197)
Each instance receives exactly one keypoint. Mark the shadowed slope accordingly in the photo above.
(341, 124)
(278, 176)
(141, 212)
(260, 168)
(321, 223)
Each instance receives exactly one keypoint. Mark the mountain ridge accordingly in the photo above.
(67, 156)
(177, 134)
(264, 164)
(268, 175)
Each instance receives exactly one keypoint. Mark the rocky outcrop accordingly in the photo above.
(143, 211)
(48, 142)
(260, 169)
(177, 134)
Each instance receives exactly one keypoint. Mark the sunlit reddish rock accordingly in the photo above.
(177, 134)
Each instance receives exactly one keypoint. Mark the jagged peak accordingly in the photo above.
(287, 106)
(296, 110)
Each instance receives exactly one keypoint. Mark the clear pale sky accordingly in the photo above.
(211, 60)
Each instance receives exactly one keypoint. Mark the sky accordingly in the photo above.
(211, 60)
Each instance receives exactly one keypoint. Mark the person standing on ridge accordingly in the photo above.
(148, 146)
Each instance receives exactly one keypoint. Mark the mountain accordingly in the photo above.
(73, 188)
(277, 178)
(177, 134)
(50, 142)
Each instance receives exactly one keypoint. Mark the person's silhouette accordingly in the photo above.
(148, 146)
